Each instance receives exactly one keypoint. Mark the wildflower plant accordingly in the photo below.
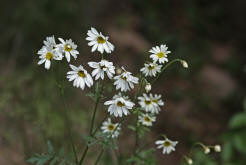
(144, 105)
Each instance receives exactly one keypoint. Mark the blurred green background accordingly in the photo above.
(203, 103)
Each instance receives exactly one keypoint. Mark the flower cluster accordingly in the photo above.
(158, 55)
(52, 51)
(121, 105)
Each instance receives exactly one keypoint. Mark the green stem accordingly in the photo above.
(168, 64)
(68, 124)
(92, 120)
(84, 154)
(99, 156)
(135, 98)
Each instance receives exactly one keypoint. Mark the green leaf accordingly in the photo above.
(131, 127)
(50, 148)
(227, 152)
(240, 143)
(238, 121)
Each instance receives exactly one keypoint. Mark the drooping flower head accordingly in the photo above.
(119, 105)
(167, 145)
(68, 48)
(159, 53)
(146, 119)
(99, 42)
(125, 81)
(151, 69)
(101, 67)
(112, 129)
(80, 77)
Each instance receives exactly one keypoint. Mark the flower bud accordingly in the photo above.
(217, 148)
(118, 71)
(206, 150)
(147, 87)
(184, 63)
(189, 161)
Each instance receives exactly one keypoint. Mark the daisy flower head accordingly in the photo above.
(46, 55)
(101, 67)
(119, 105)
(159, 53)
(80, 77)
(167, 145)
(68, 48)
(147, 104)
(98, 41)
(157, 100)
(146, 119)
(50, 42)
(151, 69)
(125, 81)
(111, 128)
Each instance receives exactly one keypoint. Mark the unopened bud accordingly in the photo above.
(206, 150)
(189, 161)
(217, 148)
(147, 87)
(184, 63)
(118, 71)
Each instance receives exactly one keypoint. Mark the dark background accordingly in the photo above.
(203, 103)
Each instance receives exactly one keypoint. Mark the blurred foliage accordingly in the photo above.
(234, 144)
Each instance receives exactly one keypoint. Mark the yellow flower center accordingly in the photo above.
(102, 67)
(120, 104)
(160, 55)
(67, 47)
(150, 67)
(123, 77)
(147, 119)
(49, 56)
(81, 74)
(111, 127)
(166, 144)
(100, 40)
(155, 101)
(147, 102)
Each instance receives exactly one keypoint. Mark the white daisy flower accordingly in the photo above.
(80, 77)
(167, 145)
(146, 119)
(147, 104)
(47, 54)
(159, 53)
(124, 80)
(151, 69)
(111, 128)
(157, 100)
(119, 105)
(50, 42)
(151, 103)
(68, 48)
(99, 42)
(101, 67)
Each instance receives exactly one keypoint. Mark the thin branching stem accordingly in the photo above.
(68, 124)
(168, 64)
(97, 99)
(99, 156)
